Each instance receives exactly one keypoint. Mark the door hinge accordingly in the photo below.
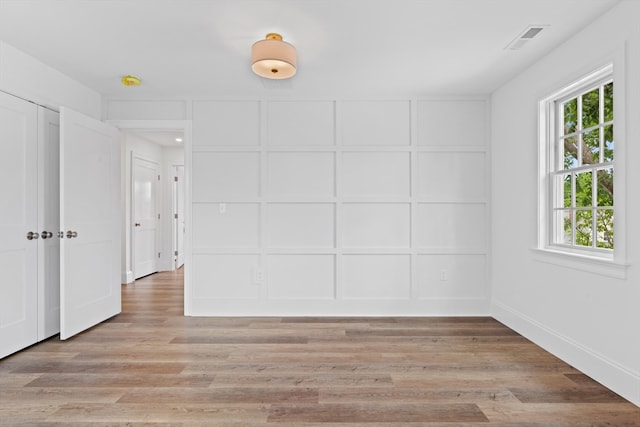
(158, 177)
(176, 253)
(158, 254)
(175, 178)
(175, 216)
(158, 216)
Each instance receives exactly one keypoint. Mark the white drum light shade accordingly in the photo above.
(273, 58)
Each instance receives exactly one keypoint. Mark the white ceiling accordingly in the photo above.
(201, 48)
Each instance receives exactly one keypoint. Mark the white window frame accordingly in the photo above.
(607, 262)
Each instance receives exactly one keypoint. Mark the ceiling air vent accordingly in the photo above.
(525, 37)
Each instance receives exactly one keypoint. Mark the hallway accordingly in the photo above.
(152, 366)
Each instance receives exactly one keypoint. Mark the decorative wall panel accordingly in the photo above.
(377, 276)
(225, 276)
(301, 174)
(301, 277)
(376, 225)
(314, 123)
(450, 227)
(378, 123)
(452, 123)
(301, 225)
(226, 123)
(452, 176)
(226, 225)
(449, 276)
(383, 174)
(220, 176)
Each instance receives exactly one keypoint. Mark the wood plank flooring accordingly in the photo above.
(152, 366)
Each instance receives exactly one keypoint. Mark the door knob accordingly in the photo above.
(137, 224)
(71, 234)
(46, 234)
(31, 235)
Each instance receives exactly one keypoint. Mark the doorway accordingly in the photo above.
(146, 144)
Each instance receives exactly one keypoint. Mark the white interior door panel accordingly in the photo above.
(18, 217)
(90, 221)
(145, 216)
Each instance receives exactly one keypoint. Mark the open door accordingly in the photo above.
(90, 222)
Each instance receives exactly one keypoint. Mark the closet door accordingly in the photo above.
(90, 220)
(49, 223)
(18, 224)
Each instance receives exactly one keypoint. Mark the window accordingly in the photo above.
(582, 168)
(581, 217)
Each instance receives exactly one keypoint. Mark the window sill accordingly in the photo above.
(589, 264)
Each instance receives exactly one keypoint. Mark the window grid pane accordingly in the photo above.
(567, 187)
(584, 228)
(608, 143)
(608, 102)
(570, 147)
(591, 108)
(564, 233)
(604, 222)
(570, 116)
(605, 187)
(583, 190)
(591, 148)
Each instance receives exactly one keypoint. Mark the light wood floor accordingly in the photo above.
(152, 366)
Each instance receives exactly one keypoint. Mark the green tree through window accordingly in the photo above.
(583, 177)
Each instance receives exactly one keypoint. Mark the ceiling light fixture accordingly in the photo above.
(273, 58)
(130, 80)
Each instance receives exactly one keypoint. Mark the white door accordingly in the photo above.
(90, 221)
(18, 217)
(145, 217)
(49, 223)
(178, 221)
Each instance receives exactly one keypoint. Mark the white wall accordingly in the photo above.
(335, 207)
(592, 321)
(24, 76)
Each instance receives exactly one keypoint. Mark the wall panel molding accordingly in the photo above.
(340, 207)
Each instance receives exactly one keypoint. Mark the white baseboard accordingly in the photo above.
(347, 308)
(127, 277)
(618, 378)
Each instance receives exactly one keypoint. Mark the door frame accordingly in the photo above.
(175, 201)
(185, 126)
